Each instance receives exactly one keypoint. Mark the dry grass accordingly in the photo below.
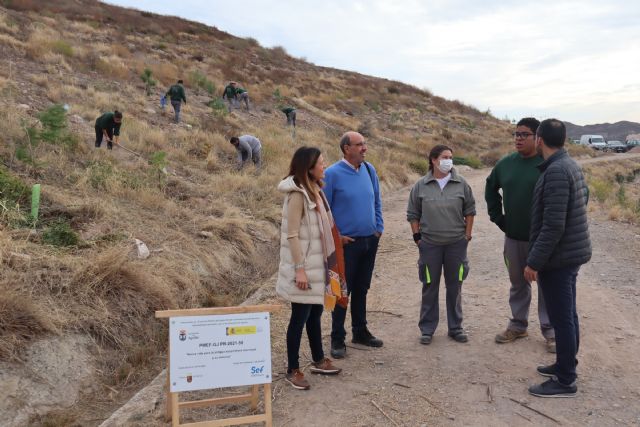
(11, 41)
(615, 190)
(21, 321)
(111, 287)
(112, 67)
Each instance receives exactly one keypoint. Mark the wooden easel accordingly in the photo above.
(173, 404)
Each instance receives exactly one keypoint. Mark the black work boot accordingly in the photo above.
(338, 349)
(366, 338)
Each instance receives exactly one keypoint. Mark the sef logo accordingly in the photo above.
(255, 370)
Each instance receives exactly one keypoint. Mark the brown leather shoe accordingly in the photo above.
(510, 335)
(297, 380)
(324, 367)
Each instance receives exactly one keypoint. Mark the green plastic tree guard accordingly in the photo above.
(35, 201)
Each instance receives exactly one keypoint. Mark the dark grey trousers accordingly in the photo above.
(244, 97)
(451, 258)
(515, 258)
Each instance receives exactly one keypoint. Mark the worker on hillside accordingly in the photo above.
(177, 96)
(242, 96)
(248, 148)
(108, 126)
(290, 112)
(229, 93)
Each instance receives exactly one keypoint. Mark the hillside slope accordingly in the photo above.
(611, 131)
(71, 282)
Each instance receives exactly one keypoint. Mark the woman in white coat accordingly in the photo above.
(307, 258)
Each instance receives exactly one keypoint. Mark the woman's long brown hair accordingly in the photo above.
(303, 160)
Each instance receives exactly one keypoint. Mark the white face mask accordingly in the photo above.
(445, 165)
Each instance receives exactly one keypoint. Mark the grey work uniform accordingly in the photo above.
(443, 245)
(249, 148)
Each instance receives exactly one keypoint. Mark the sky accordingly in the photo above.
(578, 61)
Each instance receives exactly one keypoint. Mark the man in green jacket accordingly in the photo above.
(290, 112)
(229, 93)
(516, 174)
(177, 96)
(242, 96)
(108, 126)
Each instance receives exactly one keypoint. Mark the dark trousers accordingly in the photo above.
(291, 119)
(559, 289)
(176, 109)
(100, 135)
(301, 315)
(359, 260)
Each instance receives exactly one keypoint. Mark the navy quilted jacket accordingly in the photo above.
(559, 235)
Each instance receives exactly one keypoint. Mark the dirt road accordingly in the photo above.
(448, 383)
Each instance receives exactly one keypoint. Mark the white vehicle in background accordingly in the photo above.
(596, 142)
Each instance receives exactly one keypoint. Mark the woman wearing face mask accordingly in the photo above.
(441, 211)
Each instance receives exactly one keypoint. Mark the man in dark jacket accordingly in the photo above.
(290, 112)
(558, 245)
(108, 126)
(177, 96)
(230, 94)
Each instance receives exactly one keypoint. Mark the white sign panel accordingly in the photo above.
(219, 351)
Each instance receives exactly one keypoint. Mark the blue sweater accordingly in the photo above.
(354, 199)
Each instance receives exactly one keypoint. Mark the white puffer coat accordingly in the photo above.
(311, 244)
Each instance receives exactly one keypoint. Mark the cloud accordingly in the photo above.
(569, 58)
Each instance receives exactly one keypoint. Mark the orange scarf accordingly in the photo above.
(335, 282)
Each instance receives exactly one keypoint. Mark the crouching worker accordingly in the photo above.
(313, 277)
(248, 148)
(108, 126)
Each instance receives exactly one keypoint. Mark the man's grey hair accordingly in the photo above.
(346, 140)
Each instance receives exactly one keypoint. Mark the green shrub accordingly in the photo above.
(62, 47)
(375, 106)
(159, 163)
(600, 189)
(14, 198)
(218, 107)
(472, 161)
(60, 234)
(54, 123)
(621, 196)
(149, 82)
(420, 166)
(277, 95)
(201, 81)
(12, 189)
(54, 129)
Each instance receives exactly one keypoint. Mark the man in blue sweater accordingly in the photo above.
(353, 191)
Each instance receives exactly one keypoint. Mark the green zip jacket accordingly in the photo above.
(176, 93)
(107, 122)
(229, 92)
(240, 90)
(516, 176)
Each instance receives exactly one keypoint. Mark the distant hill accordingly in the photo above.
(610, 131)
